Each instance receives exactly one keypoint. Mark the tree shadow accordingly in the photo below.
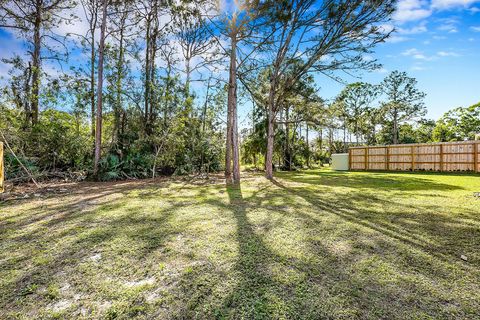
(419, 226)
(255, 278)
(249, 298)
(57, 241)
(370, 180)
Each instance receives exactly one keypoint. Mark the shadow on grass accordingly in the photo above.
(56, 240)
(249, 297)
(424, 227)
(263, 280)
(260, 292)
(400, 181)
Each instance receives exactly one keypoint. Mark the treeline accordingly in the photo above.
(123, 104)
(391, 112)
(152, 87)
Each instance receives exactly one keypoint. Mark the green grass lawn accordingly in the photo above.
(310, 245)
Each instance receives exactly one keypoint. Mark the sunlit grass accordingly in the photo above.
(314, 244)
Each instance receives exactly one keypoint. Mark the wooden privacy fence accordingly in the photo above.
(445, 156)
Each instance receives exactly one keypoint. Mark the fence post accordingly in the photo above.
(349, 159)
(413, 158)
(475, 156)
(441, 157)
(388, 158)
(366, 158)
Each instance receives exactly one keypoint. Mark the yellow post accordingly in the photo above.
(1, 168)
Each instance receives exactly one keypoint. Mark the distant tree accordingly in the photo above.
(322, 37)
(370, 119)
(90, 9)
(19, 87)
(424, 130)
(357, 99)
(240, 28)
(198, 48)
(101, 50)
(35, 21)
(150, 14)
(458, 124)
(404, 102)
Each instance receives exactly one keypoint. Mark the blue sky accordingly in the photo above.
(437, 42)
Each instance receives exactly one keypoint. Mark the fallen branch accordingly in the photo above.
(18, 160)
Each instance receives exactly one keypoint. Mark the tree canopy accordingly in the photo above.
(152, 87)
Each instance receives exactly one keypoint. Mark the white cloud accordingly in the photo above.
(450, 28)
(326, 58)
(381, 70)
(439, 37)
(449, 4)
(410, 52)
(79, 25)
(476, 29)
(53, 69)
(411, 10)
(447, 54)
(396, 39)
(417, 68)
(416, 54)
(414, 30)
(449, 25)
(368, 57)
(419, 55)
(386, 28)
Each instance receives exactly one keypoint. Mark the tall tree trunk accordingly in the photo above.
(188, 75)
(235, 142)
(151, 34)
(204, 121)
(93, 25)
(395, 129)
(92, 85)
(270, 132)
(228, 143)
(308, 148)
(232, 154)
(147, 74)
(330, 140)
(153, 53)
(98, 131)
(36, 61)
(288, 153)
(321, 139)
(204, 115)
(292, 148)
(118, 93)
(165, 97)
(253, 115)
(26, 104)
